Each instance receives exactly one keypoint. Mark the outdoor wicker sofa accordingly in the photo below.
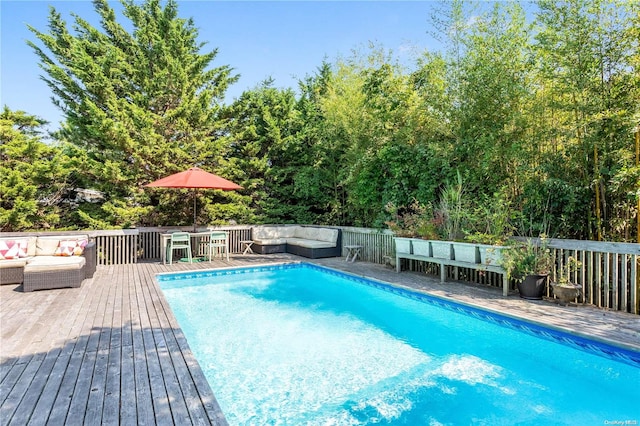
(47, 262)
(308, 241)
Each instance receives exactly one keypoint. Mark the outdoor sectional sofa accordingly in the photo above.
(308, 241)
(46, 262)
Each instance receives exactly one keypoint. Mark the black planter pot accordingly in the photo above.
(532, 287)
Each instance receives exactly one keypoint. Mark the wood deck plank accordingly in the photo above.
(169, 374)
(111, 403)
(190, 393)
(83, 389)
(18, 391)
(128, 412)
(81, 332)
(112, 351)
(35, 388)
(23, 329)
(44, 406)
(98, 383)
(6, 365)
(136, 354)
(153, 352)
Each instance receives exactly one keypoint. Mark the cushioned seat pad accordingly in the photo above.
(54, 263)
(14, 263)
(309, 243)
(270, 242)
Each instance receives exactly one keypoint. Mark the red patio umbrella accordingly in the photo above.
(194, 178)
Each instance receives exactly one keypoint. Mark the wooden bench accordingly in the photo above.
(457, 264)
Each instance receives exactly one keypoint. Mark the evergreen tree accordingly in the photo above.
(35, 179)
(263, 126)
(142, 104)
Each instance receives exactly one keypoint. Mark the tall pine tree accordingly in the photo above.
(143, 104)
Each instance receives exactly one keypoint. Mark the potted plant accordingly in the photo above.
(563, 288)
(529, 265)
(489, 247)
(466, 252)
(441, 249)
(413, 226)
(490, 226)
(403, 245)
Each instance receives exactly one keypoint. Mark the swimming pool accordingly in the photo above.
(301, 344)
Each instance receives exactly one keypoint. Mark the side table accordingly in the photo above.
(246, 244)
(353, 251)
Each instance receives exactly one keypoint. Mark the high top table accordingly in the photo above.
(164, 239)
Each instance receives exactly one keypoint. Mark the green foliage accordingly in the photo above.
(567, 270)
(34, 176)
(142, 104)
(452, 209)
(538, 117)
(491, 121)
(263, 125)
(552, 206)
(531, 258)
(490, 221)
(415, 220)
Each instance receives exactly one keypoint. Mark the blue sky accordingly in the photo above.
(285, 40)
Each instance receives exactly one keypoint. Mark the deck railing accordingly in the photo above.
(610, 273)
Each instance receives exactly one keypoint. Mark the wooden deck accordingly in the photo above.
(111, 352)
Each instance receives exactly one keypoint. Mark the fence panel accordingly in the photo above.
(608, 275)
(376, 244)
(117, 247)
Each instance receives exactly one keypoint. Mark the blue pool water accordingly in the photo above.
(304, 345)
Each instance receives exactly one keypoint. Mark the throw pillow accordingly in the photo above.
(80, 245)
(65, 248)
(71, 247)
(13, 249)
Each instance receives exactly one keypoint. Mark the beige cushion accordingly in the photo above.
(264, 233)
(31, 248)
(328, 235)
(47, 245)
(13, 263)
(319, 234)
(305, 233)
(288, 231)
(54, 263)
(293, 234)
(300, 242)
(273, 232)
(272, 242)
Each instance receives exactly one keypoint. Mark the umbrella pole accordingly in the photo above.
(195, 227)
